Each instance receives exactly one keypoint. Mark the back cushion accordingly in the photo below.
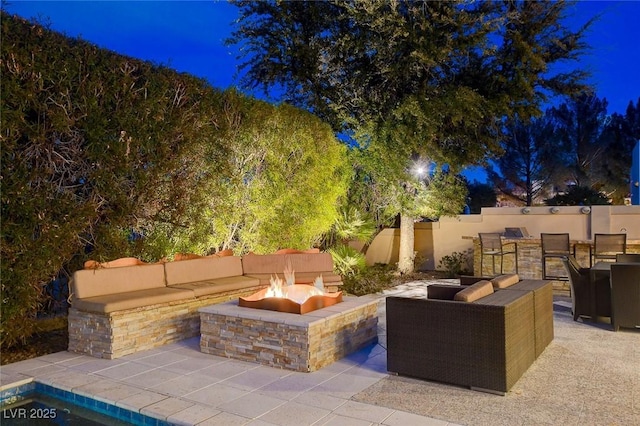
(295, 251)
(275, 263)
(263, 264)
(116, 263)
(504, 281)
(474, 292)
(104, 281)
(203, 269)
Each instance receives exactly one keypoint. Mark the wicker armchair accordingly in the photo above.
(542, 301)
(625, 295)
(486, 345)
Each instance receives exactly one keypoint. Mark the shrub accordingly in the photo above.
(347, 261)
(369, 280)
(457, 263)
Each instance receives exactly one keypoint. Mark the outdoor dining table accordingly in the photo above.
(602, 267)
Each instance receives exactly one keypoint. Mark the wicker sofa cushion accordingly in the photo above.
(474, 292)
(504, 281)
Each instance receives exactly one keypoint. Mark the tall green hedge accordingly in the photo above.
(105, 156)
(287, 174)
(96, 147)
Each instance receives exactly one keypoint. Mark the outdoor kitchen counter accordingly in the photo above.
(530, 257)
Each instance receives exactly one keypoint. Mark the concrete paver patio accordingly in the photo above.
(588, 375)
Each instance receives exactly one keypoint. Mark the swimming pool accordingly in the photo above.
(35, 403)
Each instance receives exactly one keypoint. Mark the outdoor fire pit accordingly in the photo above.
(328, 330)
(292, 298)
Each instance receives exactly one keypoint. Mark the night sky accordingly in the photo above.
(188, 36)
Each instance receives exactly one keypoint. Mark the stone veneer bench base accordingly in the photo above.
(295, 342)
(115, 334)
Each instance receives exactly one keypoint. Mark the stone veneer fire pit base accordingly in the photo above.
(295, 342)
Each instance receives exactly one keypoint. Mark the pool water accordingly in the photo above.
(41, 410)
(39, 404)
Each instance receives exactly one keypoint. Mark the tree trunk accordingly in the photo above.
(406, 255)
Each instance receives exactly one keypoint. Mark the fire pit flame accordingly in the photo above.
(297, 293)
(285, 296)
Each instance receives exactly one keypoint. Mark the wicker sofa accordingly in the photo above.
(486, 344)
(117, 311)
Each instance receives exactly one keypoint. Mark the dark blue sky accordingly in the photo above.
(188, 36)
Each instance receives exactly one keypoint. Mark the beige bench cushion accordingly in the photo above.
(132, 299)
(203, 269)
(276, 263)
(301, 278)
(219, 285)
(100, 282)
(474, 292)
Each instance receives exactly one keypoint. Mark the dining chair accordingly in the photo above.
(625, 295)
(491, 245)
(579, 281)
(554, 246)
(590, 296)
(628, 258)
(607, 246)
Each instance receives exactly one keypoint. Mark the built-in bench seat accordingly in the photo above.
(205, 277)
(120, 288)
(120, 310)
(132, 299)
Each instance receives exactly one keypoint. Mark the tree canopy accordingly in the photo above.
(580, 123)
(531, 161)
(411, 78)
(423, 76)
(574, 145)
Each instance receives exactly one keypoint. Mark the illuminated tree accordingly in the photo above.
(405, 78)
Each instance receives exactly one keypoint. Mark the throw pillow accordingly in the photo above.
(474, 292)
(504, 281)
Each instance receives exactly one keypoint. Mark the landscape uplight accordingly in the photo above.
(420, 169)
